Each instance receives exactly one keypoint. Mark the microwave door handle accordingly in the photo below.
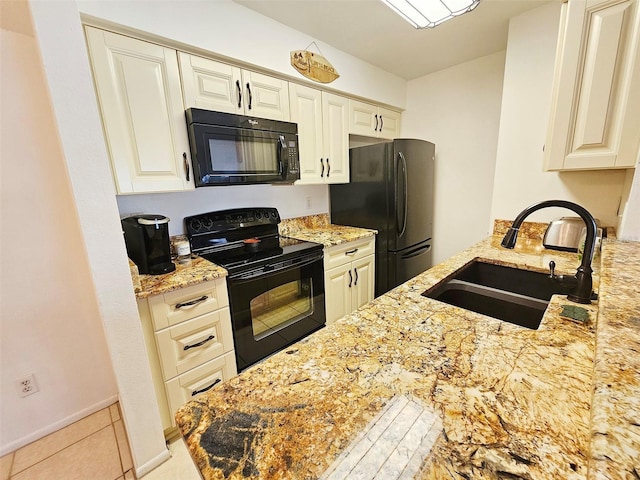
(281, 147)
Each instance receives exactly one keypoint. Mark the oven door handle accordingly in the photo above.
(276, 268)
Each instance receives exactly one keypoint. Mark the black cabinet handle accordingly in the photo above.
(381, 123)
(192, 302)
(199, 344)
(250, 96)
(350, 279)
(376, 129)
(196, 392)
(356, 270)
(239, 93)
(186, 164)
(351, 252)
(322, 171)
(328, 168)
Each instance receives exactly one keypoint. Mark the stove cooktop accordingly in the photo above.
(243, 239)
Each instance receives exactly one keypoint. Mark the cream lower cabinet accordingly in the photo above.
(349, 277)
(189, 343)
(595, 112)
(373, 121)
(323, 137)
(140, 98)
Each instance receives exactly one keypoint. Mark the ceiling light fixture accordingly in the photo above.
(430, 13)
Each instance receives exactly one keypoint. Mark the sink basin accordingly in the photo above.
(509, 294)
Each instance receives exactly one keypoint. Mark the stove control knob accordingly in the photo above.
(258, 214)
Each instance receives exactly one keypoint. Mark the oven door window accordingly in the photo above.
(280, 307)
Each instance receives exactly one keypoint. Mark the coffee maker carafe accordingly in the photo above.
(148, 244)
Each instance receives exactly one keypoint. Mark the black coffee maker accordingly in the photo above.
(148, 244)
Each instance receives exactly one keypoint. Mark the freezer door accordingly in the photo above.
(408, 263)
(412, 198)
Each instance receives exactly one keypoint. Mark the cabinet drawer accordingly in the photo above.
(194, 342)
(186, 303)
(347, 252)
(187, 386)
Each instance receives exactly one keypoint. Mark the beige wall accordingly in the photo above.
(458, 109)
(519, 179)
(50, 323)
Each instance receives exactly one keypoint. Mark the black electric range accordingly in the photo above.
(276, 284)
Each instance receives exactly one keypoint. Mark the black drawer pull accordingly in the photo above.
(350, 279)
(196, 392)
(351, 252)
(199, 344)
(192, 302)
(356, 270)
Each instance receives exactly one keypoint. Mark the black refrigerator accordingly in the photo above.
(391, 190)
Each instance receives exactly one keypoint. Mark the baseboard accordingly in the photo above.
(54, 427)
(153, 463)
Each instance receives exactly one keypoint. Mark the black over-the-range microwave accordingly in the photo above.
(230, 149)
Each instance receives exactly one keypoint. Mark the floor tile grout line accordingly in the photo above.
(12, 474)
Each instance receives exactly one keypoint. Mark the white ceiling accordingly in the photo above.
(371, 31)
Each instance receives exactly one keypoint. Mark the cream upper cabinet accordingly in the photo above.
(349, 278)
(322, 134)
(217, 86)
(373, 121)
(595, 114)
(140, 97)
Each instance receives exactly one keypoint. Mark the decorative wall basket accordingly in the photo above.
(313, 65)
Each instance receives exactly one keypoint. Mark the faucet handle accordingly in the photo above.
(552, 269)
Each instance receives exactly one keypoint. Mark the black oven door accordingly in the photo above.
(232, 156)
(275, 306)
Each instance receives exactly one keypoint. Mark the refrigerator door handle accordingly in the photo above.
(404, 180)
(416, 252)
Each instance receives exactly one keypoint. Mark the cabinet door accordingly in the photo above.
(363, 281)
(389, 127)
(211, 85)
(594, 119)
(363, 119)
(140, 97)
(335, 118)
(265, 96)
(337, 292)
(306, 111)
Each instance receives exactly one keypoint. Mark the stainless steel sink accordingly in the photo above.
(509, 294)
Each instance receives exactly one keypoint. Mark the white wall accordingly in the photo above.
(458, 109)
(227, 28)
(629, 227)
(290, 200)
(519, 179)
(64, 57)
(50, 322)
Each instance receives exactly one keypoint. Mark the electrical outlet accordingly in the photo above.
(27, 385)
(308, 199)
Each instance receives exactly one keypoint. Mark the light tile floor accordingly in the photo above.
(179, 467)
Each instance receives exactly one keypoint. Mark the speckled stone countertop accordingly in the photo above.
(317, 228)
(313, 228)
(192, 271)
(514, 403)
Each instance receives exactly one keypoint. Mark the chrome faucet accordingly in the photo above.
(581, 293)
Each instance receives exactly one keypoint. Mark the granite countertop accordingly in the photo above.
(189, 272)
(502, 401)
(313, 228)
(317, 228)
